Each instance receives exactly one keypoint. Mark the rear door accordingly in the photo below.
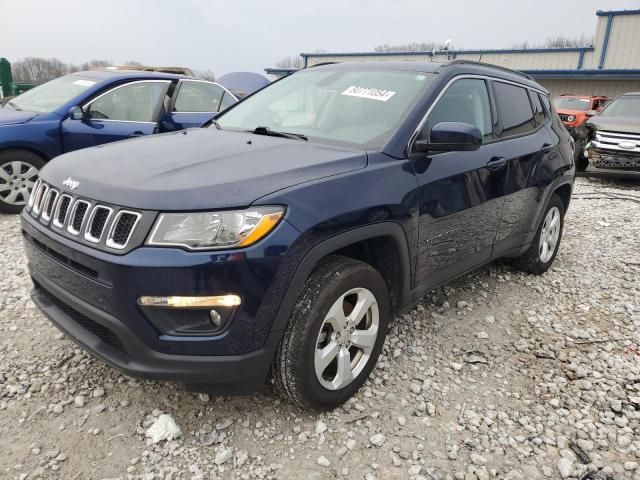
(529, 147)
(195, 102)
(125, 111)
(461, 194)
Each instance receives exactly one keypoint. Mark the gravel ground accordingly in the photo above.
(497, 375)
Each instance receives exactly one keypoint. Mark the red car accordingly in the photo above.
(574, 110)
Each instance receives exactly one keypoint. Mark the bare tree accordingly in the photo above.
(562, 41)
(291, 63)
(95, 64)
(38, 70)
(412, 47)
(205, 75)
(558, 41)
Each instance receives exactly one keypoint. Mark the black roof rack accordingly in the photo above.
(490, 65)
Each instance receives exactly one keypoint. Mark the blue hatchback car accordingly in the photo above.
(277, 243)
(91, 108)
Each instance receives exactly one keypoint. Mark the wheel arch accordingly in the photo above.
(20, 148)
(353, 244)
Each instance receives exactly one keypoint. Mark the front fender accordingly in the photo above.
(333, 244)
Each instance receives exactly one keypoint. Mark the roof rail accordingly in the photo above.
(321, 64)
(490, 65)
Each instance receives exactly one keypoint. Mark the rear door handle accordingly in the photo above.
(496, 163)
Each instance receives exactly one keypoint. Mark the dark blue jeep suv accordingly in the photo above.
(277, 243)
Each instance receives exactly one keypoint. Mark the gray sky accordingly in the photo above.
(253, 34)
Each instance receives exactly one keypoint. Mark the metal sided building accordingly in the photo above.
(609, 67)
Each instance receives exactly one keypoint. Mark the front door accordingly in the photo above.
(461, 194)
(126, 111)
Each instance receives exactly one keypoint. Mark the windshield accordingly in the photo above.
(623, 106)
(354, 108)
(570, 103)
(51, 95)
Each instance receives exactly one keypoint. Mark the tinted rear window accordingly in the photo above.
(515, 109)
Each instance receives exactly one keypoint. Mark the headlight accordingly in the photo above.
(571, 118)
(209, 230)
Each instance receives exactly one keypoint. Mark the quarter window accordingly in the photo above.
(515, 109)
(538, 111)
(547, 105)
(465, 101)
(135, 102)
(198, 97)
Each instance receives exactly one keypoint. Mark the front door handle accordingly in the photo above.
(496, 163)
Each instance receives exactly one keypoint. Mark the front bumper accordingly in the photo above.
(618, 161)
(92, 297)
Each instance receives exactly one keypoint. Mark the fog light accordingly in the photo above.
(191, 302)
(215, 317)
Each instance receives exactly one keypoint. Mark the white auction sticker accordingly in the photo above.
(370, 93)
(84, 83)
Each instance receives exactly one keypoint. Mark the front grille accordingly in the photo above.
(77, 216)
(93, 222)
(61, 211)
(122, 229)
(563, 117)
(49, 203)
(39, 198)
(80, 268)
(617, 159)
(97, 222)
(100, 331)
(618, 141)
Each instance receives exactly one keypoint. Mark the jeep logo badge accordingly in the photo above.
(71, 183)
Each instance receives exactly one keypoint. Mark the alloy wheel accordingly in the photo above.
(16, 182)
(549, 235)
(346, 339)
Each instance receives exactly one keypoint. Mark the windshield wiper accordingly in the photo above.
(274, 133)
(10, 103)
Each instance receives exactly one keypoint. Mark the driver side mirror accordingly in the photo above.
(591, 113)
(450, 137)
(76, 113)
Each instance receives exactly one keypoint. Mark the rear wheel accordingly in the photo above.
(544, 247)
(18, 173)
(334, 336)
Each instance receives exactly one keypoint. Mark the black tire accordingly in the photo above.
(578, 155)
(30, 160)
(293, 371)
(531, 260)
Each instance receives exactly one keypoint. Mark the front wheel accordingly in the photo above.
(544, 247)
(18, 173)
(334, 336)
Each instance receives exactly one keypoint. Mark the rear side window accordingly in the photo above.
(198, 97)
(515, 109)
(538, 111)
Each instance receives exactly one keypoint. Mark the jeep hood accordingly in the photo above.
(615, 124)
(9, 116)
(197, 169)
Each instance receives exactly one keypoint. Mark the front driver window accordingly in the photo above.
(198, 97)
(135, 102)
(465, 101)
